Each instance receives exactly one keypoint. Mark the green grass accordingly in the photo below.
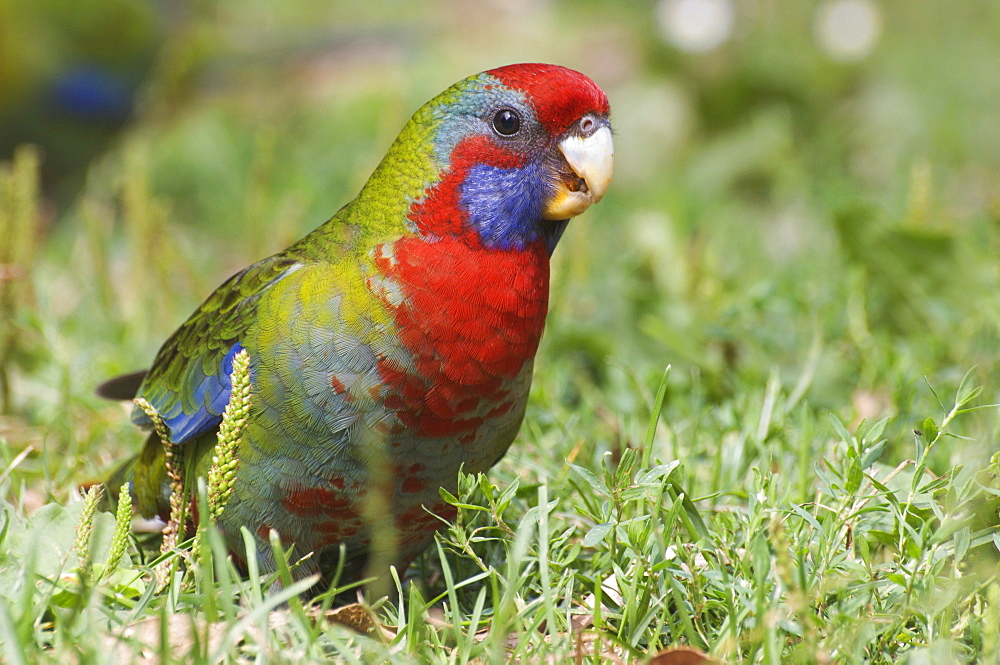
(810, 247)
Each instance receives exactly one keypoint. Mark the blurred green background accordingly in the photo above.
(806, 193)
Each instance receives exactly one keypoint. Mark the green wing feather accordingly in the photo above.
(188, 383)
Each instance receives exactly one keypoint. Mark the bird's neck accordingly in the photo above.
(405, 174)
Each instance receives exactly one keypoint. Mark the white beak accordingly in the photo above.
(592, 159)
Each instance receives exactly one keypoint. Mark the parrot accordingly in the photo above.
(392, 346)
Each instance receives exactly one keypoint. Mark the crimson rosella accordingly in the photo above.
(394, 344)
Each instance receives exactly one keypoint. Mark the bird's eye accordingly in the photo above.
(507, 122)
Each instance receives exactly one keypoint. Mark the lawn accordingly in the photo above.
(764, 416)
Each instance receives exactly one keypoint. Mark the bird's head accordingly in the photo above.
(505, 157)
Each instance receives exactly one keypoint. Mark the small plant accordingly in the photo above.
(86, 528)
(20, 219)
(173, 460)
(222, 473)
(225, 462)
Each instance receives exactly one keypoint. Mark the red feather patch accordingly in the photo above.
(307, 501)
(471, 318)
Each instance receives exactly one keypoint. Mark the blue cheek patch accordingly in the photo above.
(505, 205)
(210, 397)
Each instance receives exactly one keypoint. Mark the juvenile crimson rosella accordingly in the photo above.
(394, 344)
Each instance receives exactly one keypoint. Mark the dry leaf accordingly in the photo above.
(682, 656)
(360, 618)
(355, 616)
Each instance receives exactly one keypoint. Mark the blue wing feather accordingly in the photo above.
(186, 419)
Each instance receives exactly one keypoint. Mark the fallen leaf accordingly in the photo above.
(355, 616)
(682, 656)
